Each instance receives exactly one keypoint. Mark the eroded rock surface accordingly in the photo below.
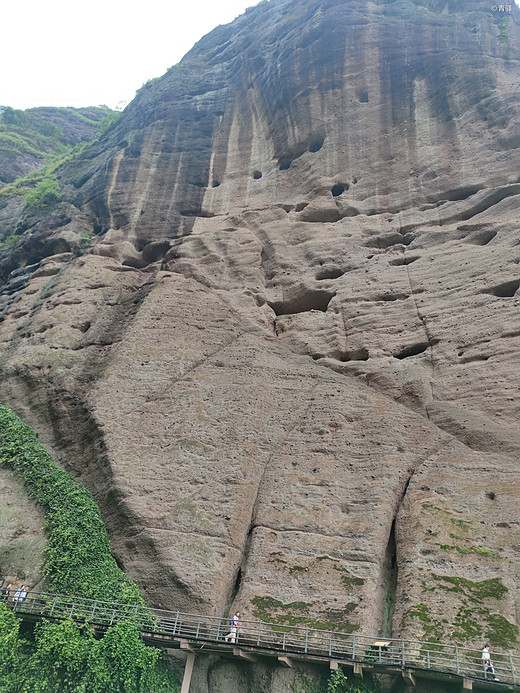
(285, 362)
(22, 535)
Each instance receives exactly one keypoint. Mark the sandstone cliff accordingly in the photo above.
(273, 323)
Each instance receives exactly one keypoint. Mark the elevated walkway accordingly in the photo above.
(255, 640)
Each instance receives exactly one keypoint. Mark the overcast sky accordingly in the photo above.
(71, 53)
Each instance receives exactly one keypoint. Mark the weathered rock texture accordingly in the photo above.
(287, 363)
(22, 536)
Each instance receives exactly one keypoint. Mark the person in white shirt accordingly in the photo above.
(19, 597)
(489, 669)
(234, 623)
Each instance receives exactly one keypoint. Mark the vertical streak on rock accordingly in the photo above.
(429, 337)
(148, 172)
(177, 179)
(112, 183)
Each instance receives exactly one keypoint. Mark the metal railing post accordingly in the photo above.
(283, 641)
(353, 647)
(403, 654)
(259, 631)
(513, 676)
(306, 640)
(330, 645)
(457, 659)
(52, 607)
(428, 659)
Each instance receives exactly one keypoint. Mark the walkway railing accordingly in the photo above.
(170, 626)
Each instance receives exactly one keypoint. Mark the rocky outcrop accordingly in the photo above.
(282, 356)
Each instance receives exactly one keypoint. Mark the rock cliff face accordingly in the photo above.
(273, 326)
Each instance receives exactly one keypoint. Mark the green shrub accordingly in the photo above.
(46, 193)
(338, 683)
(65, 656)
(78, 561)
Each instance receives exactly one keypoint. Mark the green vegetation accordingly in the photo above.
(77, 556)
(31, 133)
(9, 241)
(273, 611)
(337, 683)
(467, 550)
(46, 193)
(503, 29)
(474, 591)
(474, 618)
(351, 581)
(432, 630)
(65, 656)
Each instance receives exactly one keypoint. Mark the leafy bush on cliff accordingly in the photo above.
(67, 658)
(77, 556)
(46, 193)
(64, 656)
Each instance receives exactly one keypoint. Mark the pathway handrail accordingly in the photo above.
(446, 658)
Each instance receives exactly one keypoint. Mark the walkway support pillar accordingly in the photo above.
(188, 671)
(467, 685)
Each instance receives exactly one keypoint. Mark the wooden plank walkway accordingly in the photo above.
(412, 658)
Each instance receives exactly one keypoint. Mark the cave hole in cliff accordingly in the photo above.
(257, 174)
(504, 290)
(412, 350)
(216, 183)
(392, 297)
(390, 576)
(461, 193)
(302, 302)
(329, 273)
(338, 189)
(360, 354)
(316, 143)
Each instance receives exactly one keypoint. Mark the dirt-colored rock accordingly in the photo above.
(285, 361)
(22, 535)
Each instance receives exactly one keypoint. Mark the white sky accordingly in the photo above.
(71, 53)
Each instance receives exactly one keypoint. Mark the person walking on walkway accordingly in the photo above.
(4, 594)
(234, 623)
(489, 669)
(19, 597)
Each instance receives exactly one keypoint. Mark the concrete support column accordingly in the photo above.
(188, 670)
